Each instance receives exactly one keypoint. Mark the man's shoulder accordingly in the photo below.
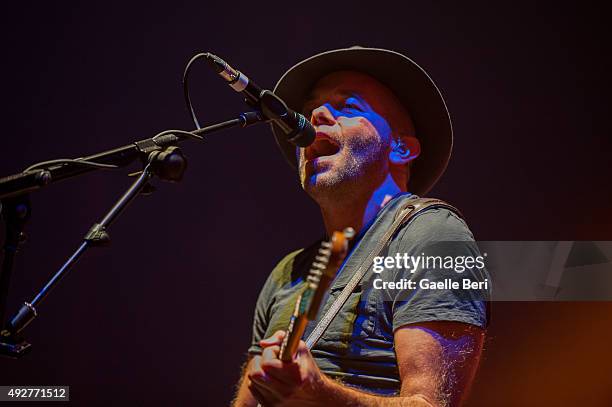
(293, 265)
(438, 223)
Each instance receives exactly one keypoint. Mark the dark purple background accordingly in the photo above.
(163, 316)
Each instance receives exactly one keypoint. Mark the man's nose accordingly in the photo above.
(323, 115)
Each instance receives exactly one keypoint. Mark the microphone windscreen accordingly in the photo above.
(305, 133)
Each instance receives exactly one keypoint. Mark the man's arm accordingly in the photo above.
(437, 362)
(243, 397)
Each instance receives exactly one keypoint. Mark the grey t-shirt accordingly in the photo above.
(358, 345)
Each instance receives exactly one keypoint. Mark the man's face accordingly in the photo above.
(355, 117)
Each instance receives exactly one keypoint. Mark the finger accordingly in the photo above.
(270, 353)
(286, 373)
(272, 366)
(303, 357)
(275, 339)
(256, 363)
(302, 349)
(273, 386)
(263, 395)
(255, 369)
(270, 383)
(260, 370)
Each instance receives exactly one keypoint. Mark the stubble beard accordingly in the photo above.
(351, 177)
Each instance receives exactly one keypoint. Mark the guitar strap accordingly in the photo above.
(406, 212)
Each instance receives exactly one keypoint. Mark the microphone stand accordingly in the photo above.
(161, 157)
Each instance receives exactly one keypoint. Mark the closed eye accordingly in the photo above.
(352, 103)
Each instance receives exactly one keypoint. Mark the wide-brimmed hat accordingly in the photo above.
(412, 86)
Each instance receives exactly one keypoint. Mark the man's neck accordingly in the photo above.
(358, 209)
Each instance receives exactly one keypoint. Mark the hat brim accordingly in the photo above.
(408, 81)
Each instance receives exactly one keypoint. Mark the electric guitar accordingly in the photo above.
(329, 258)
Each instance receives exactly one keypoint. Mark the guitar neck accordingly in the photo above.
(292, 338)
(322, 272)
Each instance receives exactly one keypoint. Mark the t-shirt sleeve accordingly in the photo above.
(261, 319)
(448, 255)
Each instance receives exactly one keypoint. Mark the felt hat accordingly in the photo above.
(412, 86)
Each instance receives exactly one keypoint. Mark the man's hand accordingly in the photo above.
(274, 382)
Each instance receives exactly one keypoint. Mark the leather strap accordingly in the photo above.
(403, 215)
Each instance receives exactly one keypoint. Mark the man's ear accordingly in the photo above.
(404, 149)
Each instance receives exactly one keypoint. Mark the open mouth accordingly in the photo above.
(322, 146)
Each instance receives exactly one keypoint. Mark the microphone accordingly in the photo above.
(296, 127)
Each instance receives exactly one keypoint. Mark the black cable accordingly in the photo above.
(163, 133)
(182, 132)
(186, 87)
(70, 161)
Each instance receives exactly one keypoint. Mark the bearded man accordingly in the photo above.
(383, 136)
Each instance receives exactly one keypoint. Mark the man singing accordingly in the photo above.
(383, 136)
